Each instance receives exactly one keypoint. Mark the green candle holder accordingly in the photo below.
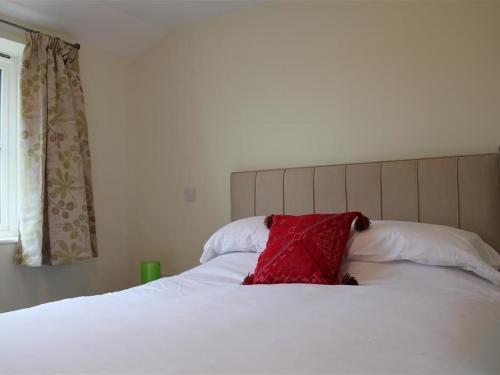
(150, 271)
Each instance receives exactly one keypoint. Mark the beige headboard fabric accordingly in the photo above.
(459, 191)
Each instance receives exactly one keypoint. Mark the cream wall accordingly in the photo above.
(306, 83)
(108, 83)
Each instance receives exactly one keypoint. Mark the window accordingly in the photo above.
(9, 82)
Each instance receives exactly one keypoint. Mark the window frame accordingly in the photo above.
(9, 148)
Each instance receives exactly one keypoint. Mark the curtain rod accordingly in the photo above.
(74, 45)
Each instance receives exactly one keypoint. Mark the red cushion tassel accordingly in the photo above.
(349, 280)
(362, 223)
(268, 221)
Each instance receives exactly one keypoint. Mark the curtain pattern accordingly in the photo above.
(57, 218)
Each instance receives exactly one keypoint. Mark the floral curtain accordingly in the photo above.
(57, 218)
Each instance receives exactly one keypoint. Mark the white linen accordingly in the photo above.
(437, 245)
(244, 235)
(403, 318)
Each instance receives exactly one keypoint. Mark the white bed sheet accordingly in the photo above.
(404, 318)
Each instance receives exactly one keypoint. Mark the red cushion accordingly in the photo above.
(304, 249)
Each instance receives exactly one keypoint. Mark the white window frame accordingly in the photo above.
(8, 148)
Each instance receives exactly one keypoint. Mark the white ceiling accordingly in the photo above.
(126, 27)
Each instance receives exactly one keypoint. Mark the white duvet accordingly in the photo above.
(403, 318)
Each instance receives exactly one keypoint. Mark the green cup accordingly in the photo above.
(150, 271)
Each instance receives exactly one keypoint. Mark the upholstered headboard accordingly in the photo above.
(460, 191)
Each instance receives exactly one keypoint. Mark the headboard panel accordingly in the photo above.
(460, 191)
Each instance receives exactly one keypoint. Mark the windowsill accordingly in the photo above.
(6, 238)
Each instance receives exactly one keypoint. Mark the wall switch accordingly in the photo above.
(189, 194)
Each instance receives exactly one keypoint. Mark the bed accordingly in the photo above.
(403, 318)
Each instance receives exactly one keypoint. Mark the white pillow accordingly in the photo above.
(244, 235)
(430, 244)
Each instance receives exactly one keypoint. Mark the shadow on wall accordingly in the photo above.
(24, 286)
